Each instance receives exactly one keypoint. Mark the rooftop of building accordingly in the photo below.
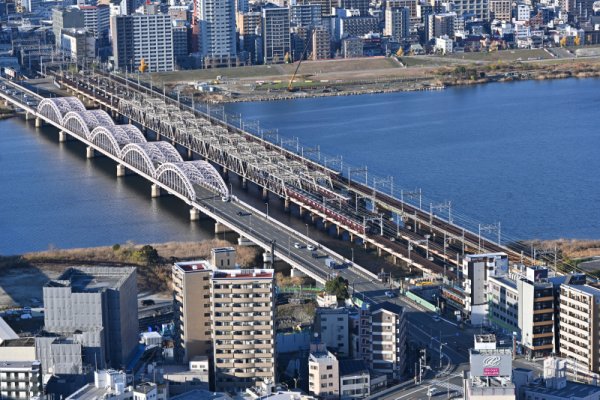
(92, 279)
(505, 280)
(572, 390)
(388, 306)
(18, 365)
(194, 266)
(498, 350)
(217, 250)
(202, 395)
(593, 291)
(145, 387)
(6, 332)
(484, 255)
(321, 354)
(19, 342)
(90, 391)
(336, 311)
(486, 338)
(353, 367)
(243, 273)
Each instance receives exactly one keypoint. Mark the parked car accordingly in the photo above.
(390, 294)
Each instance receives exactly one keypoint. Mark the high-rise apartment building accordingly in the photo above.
(501, 9)
(438, 25)
(62, 18)
(412, 6)
(306, 15)
(96, 19)
(98, 305)
(140, 36)
(397, 23)
(321, 43)
(228, 312)
(276, 34)
(474, 8)
(332, 326)
(216, 21)
(382, 338)
(580, 325)
(536, 312)
(323, 373)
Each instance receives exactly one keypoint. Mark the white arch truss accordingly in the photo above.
(56, 108)
(182, 177)
(113, 138)
(84, 122)
(147, 156)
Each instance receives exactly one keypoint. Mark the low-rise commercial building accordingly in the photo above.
(323, 373)
(355, 379)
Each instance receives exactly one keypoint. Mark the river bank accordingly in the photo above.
(367, 76)
(6, 112)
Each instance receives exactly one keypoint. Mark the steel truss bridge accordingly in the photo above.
(197, 182)
(280, 166)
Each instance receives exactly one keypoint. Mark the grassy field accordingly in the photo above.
(279, 71)
(503, 55)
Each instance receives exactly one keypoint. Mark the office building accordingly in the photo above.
(323, 373)
(321, 44)
(501, 10)
(248, 25)
(180, 43)
(412, 6)
(63, 18)
(139, 36)
(397, 23)
(478, 9)
(226, 312)
(490, 371)
(306, 15)
(332, 327)
(382, 338)
(326, 5)
(361, 5)
(355, 379)
(248, 22)
(276, 37)
(580, 326)
(216, 22)
(348, 24)
(98, 307)
(352, 47)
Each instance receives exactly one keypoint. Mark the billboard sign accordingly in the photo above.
(491, 363)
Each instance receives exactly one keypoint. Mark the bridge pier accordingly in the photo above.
(286, 204)
(297, 273)
(190, 154)
(301, 211)
(351, 237)
(122, 170)
(38, 122)
(27, 116)
(339, 230)
(265, 194)
(244, 183)
(194, 214)
(90, 152)
(63, 137)
(221, 228)
(156, 191)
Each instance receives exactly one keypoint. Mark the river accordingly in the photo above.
(521, 153)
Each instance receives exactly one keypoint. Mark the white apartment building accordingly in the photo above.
(141, 36)
(216, 19)
(323, 373)
(397, 23)
(332, 326)
(580, 325)
(20, 379)
(96, 19)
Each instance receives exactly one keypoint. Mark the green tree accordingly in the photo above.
(147, 255)
(338, 287)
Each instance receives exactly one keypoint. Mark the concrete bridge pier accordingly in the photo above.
(122, 170)
(90, 152)
(339, 230)
(244, 183)
(265, 194)
(27, 116)
(286, 204)
(190, 154)
(156, 191)
(221, 228)
(194, 214)
(297, 273)
(313, 218)
(39, 122)
(301, 211)
(351, 237)
(63, 136)
(379, 251)
(157, 136)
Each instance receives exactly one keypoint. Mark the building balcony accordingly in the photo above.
(543, 335)
(548, 346)
(544, 311)
(540, 299)
(543, 323)
(224, 364)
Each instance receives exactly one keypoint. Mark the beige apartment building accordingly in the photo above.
(242, 315)
(191, 292)
(580, 325)
(323, 373)
(226, 312)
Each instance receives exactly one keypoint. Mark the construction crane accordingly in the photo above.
(290, 87)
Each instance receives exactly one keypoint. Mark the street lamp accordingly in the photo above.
(427, 246)
(307, 231)
(267, 204)
(352, 250)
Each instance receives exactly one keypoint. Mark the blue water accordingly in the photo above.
(524, 154)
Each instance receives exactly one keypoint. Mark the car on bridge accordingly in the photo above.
(298, 245)
(310, 247)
